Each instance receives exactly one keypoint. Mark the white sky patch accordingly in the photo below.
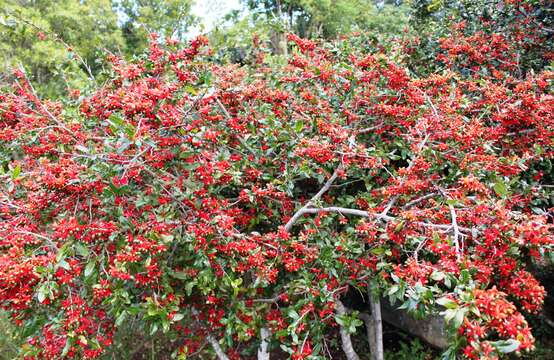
(210, 12)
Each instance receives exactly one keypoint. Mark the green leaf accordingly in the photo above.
(399, 227)
(167, 238)
(459, 318)
(293, 314)
(16, 172)
(81, 250)
(465, 276)
(120, 318)
(64, 265)
(298, 126)
(66, 348)
(378, 251)
(506, 346)
(447, 303)
(89, 268)
(189, 286)
(393, 289)
(437, 275)
(500, 188)
(178, 317)
(180, 275)
(41, 295)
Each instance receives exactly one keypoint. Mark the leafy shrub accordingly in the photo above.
(229, 209)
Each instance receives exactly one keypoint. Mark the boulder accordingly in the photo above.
(431, 329)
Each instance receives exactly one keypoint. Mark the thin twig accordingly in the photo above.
(454, 225)
(228, 116)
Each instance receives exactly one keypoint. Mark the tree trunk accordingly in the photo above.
(376, 341)
(377, 351)
(344, 335)
(370, 331)
(263, 354)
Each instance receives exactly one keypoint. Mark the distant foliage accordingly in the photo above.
(45, 36)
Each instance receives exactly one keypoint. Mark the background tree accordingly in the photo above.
(168, 18)
(323, 19)
(43, 36)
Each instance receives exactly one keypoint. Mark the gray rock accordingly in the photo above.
(432, 329)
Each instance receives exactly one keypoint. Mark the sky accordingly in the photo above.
(210, 12)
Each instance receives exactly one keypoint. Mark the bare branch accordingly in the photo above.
(419, 247)
(316, 197)
(369, 129)
(395, 198)
(370, 330)
(456, 230)
(344, 335)
(419, 199)
(454, 225)
(48, 113)
(228, 116)
(215, 345)
(367, 214)
(267, 301)
(218, 351)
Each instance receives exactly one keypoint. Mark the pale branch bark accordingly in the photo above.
(367, 214)
(386, 210)
(223, 108)
(370, 331)
(267, 301)
(419, 247)
(456, 230)
(218, 351)
(339, 307)
(369, 129)
(48, 113)
(323, 190)
(345, 211)
(347, 347)
(455, 226)
(375, 304)
(418, 200)
(307, 208)
(263, 353)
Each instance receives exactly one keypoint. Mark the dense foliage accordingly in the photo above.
(232, 208)
(43, 36)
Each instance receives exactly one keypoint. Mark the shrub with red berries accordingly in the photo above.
(231, 209)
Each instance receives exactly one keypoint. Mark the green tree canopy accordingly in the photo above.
(44, 35)
(331, 18)
(169, 18)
